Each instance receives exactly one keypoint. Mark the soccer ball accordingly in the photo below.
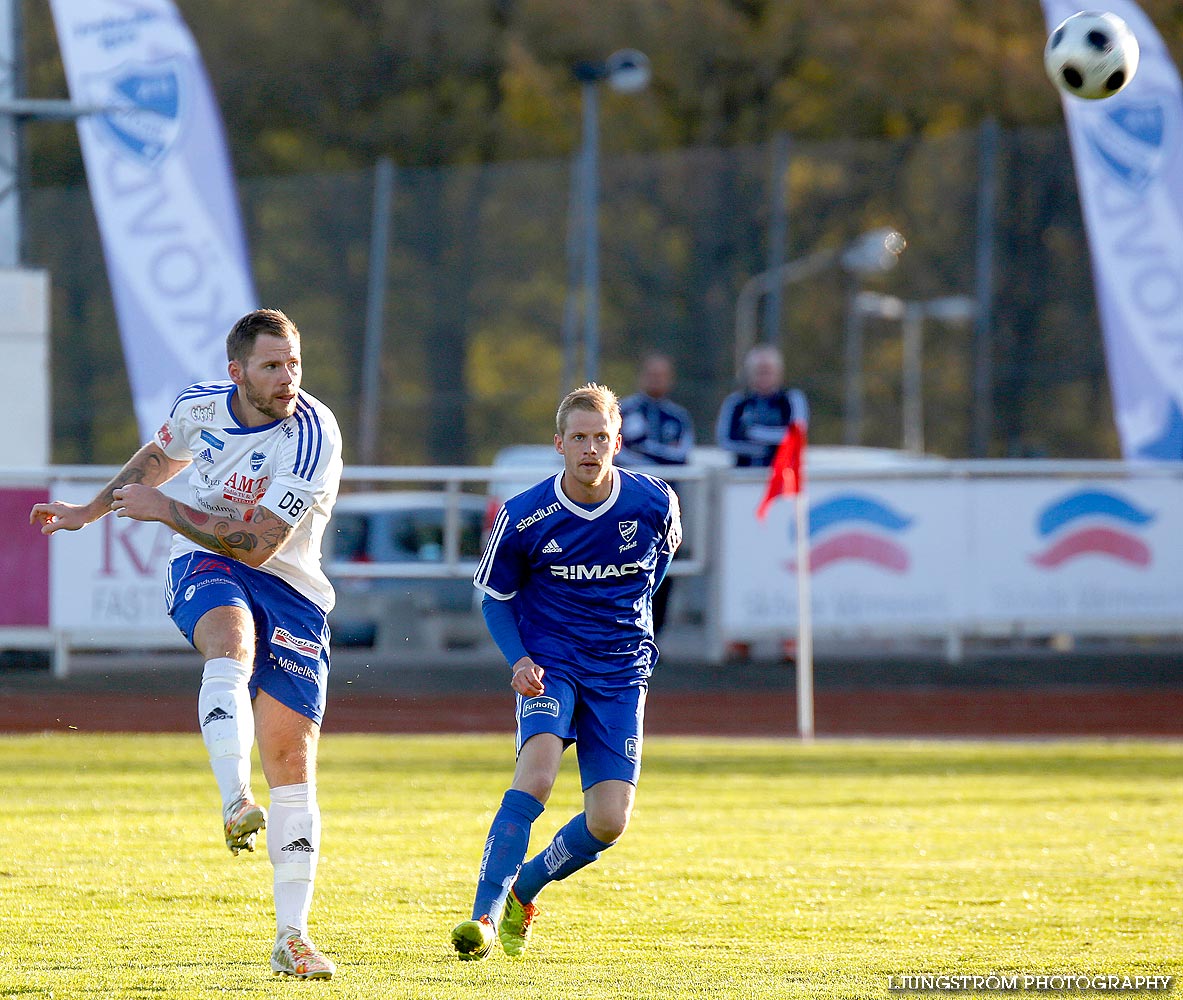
(1091, 55)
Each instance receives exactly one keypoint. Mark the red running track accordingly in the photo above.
(909, 712)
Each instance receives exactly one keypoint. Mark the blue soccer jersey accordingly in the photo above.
(581, 578)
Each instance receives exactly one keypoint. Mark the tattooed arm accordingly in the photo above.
(149, 466)
(252, 542)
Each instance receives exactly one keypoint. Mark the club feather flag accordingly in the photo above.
(1129, 169)
(786, 477)
(163, 192)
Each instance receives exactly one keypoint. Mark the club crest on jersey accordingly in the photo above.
(628, 531)
(212, 440)
(257, 460)
(306, 647)
(164, 435)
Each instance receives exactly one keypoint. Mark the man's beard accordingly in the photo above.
(269, 407)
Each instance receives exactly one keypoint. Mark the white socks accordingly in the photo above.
(227, 725)
(293, 821)
(293, 844)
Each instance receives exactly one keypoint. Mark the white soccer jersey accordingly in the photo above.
(292, 467)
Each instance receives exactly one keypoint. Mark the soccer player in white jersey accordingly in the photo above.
(246, 588)
(568, 576)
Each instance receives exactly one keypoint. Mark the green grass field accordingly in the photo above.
(752, 869)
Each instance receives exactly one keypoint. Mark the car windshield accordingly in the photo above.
(351, 533)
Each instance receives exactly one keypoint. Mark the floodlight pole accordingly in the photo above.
(589, 186)
(911, 315)
(626, 71)
(874, 252)
(912, 376)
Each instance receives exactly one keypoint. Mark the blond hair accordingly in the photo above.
(593, 398)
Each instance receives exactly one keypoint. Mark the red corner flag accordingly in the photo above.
(787, 477)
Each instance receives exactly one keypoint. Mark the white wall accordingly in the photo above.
(24, 357)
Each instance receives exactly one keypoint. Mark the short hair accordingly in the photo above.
(240, 341)
(593, 398)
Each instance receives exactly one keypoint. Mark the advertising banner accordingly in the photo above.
(1100, 555)
(933, 557)
(1128, 155)
(162, 190)
(883, 555)
(24, 560)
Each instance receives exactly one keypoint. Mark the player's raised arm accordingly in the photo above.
(149, 467)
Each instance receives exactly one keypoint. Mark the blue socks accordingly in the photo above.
(573, 848)
(509, 836)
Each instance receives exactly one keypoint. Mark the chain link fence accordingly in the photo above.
(478, 278)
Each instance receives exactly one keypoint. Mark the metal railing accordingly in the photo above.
(693, 484)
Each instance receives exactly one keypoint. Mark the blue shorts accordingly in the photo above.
(291, 633)
(605, 723)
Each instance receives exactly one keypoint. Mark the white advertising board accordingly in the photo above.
(1093, 554)
(884, 556)
(110, 575)
(933, 556)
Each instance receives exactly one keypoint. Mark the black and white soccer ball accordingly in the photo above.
(1091, 55)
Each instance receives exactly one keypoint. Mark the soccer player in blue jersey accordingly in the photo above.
(246, 588)
(568, 576)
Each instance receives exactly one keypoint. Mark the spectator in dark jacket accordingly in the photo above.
(656, 431)
(752, 421)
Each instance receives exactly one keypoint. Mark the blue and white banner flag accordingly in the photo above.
(162, 189)
(1129, 169)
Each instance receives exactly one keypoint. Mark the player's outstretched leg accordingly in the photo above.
(474, 939)
(228, 730)
(516, 923)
